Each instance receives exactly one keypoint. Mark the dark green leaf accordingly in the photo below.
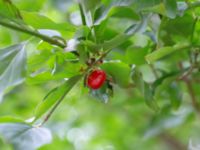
(149, 97)
(143, 4)
(169, 90)
(171, 8)
(172, 30)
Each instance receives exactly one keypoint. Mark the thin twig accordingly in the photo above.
(188, 83)
(172, 142)
(32, 32)
(53, 109)
(195, 103)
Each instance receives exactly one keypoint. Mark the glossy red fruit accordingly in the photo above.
(96, 79)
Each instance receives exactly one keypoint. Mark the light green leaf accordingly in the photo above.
(90, 5)
(8, 10)
(164, 51)
(10, 119)
(158, 54)
(123, 12)
(120, 72)
(57, 94)
(42, 22)
(136, 55)
(116, 41)
(13, 66)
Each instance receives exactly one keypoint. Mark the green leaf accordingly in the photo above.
(8, 10)
(57, 94)
(136, 55)
(10, 119)
(13, 66)
(42, 22)
(172, 31)
(116, 41)
(143, 4)
(171, 8)
(158, 54)
(168, 8)
(123, 37)
(120, 72)
(123, 12)
(90, 5)
(170, 90)
(149, 97)
(23, 136)
(164, 51)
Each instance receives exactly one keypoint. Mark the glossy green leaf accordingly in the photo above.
(13, 66)
(121, 77)
(55, 95)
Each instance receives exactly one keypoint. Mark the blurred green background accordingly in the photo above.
(83, 122)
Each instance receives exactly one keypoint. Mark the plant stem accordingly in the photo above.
(53, 109)
(172, 142)
(72, 82)
(32, 32)
(192, 95)
(188, 83)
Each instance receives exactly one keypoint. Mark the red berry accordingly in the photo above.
(96, 79)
